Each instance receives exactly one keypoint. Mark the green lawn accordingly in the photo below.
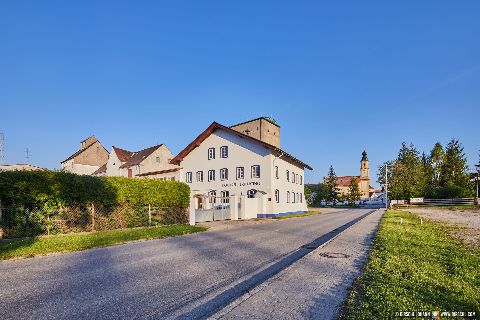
(29, 247)
(415, 267)
(309, 213)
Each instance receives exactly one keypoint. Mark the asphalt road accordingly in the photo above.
(184, 277)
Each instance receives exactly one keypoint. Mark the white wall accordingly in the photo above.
(113, 164)
(83, 169)
(242, 153)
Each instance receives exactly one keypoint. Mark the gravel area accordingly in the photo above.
(315, 286)
(469, 218)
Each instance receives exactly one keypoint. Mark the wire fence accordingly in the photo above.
(18, 222)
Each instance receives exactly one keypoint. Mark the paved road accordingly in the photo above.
(186, 277)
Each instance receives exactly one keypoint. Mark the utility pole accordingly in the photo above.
(386, 186)
(2, 138)
(28, 156)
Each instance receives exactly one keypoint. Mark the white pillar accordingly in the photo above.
(242, 207)
(234, 207)
(192, 210)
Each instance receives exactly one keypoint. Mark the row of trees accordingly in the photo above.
(443, 173)
(328, 191)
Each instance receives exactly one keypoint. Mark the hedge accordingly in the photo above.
(32, 189)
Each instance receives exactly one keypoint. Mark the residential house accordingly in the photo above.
(91, 156)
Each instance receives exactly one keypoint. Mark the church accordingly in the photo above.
(363, 180)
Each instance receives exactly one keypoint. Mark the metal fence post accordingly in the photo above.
(93, 216)
(149, 215)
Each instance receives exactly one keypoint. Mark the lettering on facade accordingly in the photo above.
(240, 184)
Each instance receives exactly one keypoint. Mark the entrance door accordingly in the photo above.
(129, 173)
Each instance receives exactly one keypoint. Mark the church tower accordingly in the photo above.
(364, 176)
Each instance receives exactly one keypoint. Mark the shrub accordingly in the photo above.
(32, 189)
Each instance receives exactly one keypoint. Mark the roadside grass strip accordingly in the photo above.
(29, 247)
(415, 267)
(306, 214)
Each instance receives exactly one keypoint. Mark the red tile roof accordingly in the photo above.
(214, 126)
(122, 155)
(344, 181)
(139, 156)
(157, 172)
(102, 169)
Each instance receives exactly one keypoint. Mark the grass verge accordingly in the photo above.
(29, 247)
(309, 213)
(414, 267)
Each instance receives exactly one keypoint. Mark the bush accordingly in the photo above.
(32, 189)
(48, 202)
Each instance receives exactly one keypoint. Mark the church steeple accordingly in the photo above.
(364, 175)
(364, 156)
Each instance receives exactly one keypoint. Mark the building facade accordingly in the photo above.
(362, 181)
(153, 162)
(91, 156)
(222, 162)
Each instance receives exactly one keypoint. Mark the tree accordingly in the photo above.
(353, 192)
(454, 177)
(436, 159)
(309, 195)
(331, 186)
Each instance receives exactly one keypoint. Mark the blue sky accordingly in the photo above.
(338, 77)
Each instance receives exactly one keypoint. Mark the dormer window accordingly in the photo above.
(211, 153)
(157, 159)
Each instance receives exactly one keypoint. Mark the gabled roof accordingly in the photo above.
(214, 126)
(139, 156)
(269, 119)
(102, 169)
(122, 155)
(82, 150)
(151, 173)
(344, 181)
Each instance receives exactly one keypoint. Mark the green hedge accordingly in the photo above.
(32, 189)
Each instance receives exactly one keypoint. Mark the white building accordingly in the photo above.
(222, 162)
(153, 162)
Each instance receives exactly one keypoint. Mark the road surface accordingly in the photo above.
(191, 276)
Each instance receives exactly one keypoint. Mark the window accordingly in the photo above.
(288, 196)
(224, 152)
(211, 196)
(277, 196)
(276, 172)
(157, 159)
(211, 175)
(240, 173)
(288, 176)
(211, 153)
(188, 177)
(225, 197)
(301, 180)
(199, 176)
(293, 197)
(301, 198)
(293, 177)
(256, 171)
(224, 174)
(251, 193)
(172, 178)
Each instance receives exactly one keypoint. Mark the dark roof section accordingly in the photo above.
(214, 126)
(139, 156)
(122, 155)
(157, 172)
(269, 119)
(364, 156)
(344, 181)
(102, 169)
